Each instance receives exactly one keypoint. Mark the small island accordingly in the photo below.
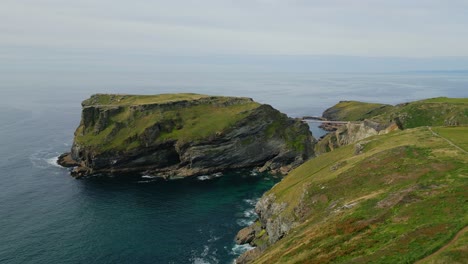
(179, 135)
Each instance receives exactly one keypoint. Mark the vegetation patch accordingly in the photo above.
(126, 99)
(457, 135)
(440, 111)
(403, 199)
(354, 110)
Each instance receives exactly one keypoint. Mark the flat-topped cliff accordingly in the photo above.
(178, 135)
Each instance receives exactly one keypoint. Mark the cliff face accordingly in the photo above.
(351, 133)
(183, 135)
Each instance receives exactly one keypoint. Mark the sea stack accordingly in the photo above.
(181, 135)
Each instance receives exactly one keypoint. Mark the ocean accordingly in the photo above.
(46, 216)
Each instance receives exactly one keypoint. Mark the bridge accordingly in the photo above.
(328, 122)
(317, 119)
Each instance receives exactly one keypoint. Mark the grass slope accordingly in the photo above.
(355, 111)
(456, 135)
(438, 111)
(400, 200)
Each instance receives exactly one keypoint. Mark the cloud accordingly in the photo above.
(244, 27)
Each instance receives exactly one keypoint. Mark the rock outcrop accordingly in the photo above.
(178, 135)
(351, 133)
(270, 227)
(245, 235)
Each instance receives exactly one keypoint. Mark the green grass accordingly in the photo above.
(458, 135)
(456, 251)
(354, 110)
(202, 121)
(438, 111)
(446, 100)
(127, 128)
(408, 191)
(441, 111)
(125, 99)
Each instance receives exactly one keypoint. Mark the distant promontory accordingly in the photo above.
(180, 135)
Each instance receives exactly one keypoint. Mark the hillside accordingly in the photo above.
(178, 135)
(440, 111)
(354, 111)
(374, 119)
(393, 198)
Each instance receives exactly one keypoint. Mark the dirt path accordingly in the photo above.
(448, 141)
(465, 229)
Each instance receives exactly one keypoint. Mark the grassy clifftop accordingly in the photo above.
(438, 111)
(441, 111)
(354, 110)
(400, 198)
(126, 99)
(121, 122)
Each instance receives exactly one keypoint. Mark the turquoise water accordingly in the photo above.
(48, 217)
(53, 218)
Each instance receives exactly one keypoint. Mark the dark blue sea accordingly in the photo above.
(46, 216)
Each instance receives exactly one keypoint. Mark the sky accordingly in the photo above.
(38, 35)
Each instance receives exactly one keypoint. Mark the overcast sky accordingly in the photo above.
(61, 30)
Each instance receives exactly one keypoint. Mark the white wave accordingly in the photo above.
(249, 213)
(206, 257)
(251, 201)
(245, 222)
(53, 161)
(248, 216)
(239, 249)
(213, 239)
(149, 177)
(203, 177)
(209, 177)
(206, 250)
(42, 159)
(199, 261)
